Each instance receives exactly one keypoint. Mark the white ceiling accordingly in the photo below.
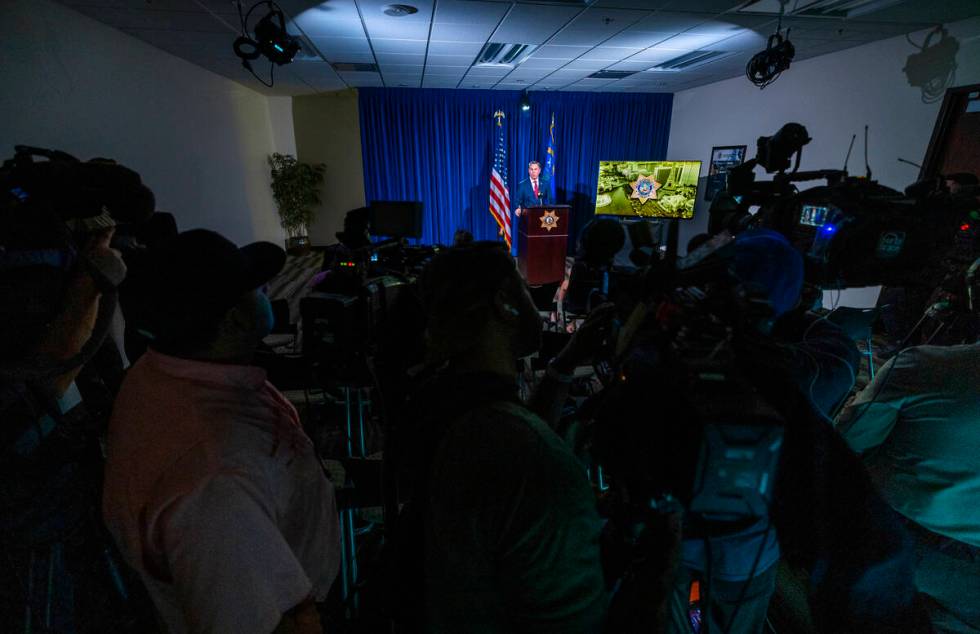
(436, 47)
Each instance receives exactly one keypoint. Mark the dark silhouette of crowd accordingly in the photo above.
(156, 480)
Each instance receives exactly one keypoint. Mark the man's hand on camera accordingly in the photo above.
(74, 325)
(587, 340)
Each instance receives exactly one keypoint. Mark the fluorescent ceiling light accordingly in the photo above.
(497, 54)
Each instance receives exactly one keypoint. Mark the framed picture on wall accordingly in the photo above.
(723, 158)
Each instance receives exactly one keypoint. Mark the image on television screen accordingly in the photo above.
(652, 189)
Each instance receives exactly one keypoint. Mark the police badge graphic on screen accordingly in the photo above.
(652, 189)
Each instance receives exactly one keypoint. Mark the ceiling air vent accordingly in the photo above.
(508, 55)
(350, 66)
(819, 8)
(611, 74)
(688, 60)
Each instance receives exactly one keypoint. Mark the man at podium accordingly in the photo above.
(533, 190)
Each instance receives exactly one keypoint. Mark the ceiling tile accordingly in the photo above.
(334, 45)
(353, 58)
(603, 53)
(395, 58)
(577, 37)
(469, 49)
(551, 51)
(630, 4)
(748, 42)
(362, 79)
(469, 11)
(339, 19)
(402, 47)
(477, 31)
(311, 70)
(656, 55)
(640, 39)
(403, 81)
(445, 71)
(569, 74)
(450, 60)
(544, 64)
(532, 23)
(667, 21)
(702, 6)
(737, 20)
(374, 10)
(606, 22)
(387, 27)
(589, 84)
(528, 73)
(690, 42)
(438, 82)
(402, 69)
(585, 64)
(718, 30)
(481, 71)
(631, 65)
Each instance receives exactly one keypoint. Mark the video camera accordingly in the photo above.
(611, 259)
(365, 297)
(48, 207)
(700, 404)
(714, 446)
(347, 315)
(852, 231)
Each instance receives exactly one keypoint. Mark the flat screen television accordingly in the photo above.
(648, 189)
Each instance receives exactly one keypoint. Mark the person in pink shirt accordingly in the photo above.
(213, 492)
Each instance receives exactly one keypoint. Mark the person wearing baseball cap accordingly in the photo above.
(213, 492)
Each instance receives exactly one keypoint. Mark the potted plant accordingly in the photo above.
(296, 188)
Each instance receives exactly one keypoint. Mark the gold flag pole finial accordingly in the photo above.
(499, 115)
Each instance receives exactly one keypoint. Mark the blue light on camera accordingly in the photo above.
(828, 229)
(374, 257)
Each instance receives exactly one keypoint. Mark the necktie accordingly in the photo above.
(535, 184)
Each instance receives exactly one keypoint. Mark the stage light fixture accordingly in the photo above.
(269, 39)
(525, 102)
(766, 66)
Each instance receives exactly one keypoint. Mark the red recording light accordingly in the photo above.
(965, 226)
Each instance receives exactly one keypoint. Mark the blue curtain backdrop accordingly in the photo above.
(435, 146)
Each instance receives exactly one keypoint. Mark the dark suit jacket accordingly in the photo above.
(525, 193)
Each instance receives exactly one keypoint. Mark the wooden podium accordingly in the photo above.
(542, 241)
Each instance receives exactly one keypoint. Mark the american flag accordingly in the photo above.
(499, 194)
